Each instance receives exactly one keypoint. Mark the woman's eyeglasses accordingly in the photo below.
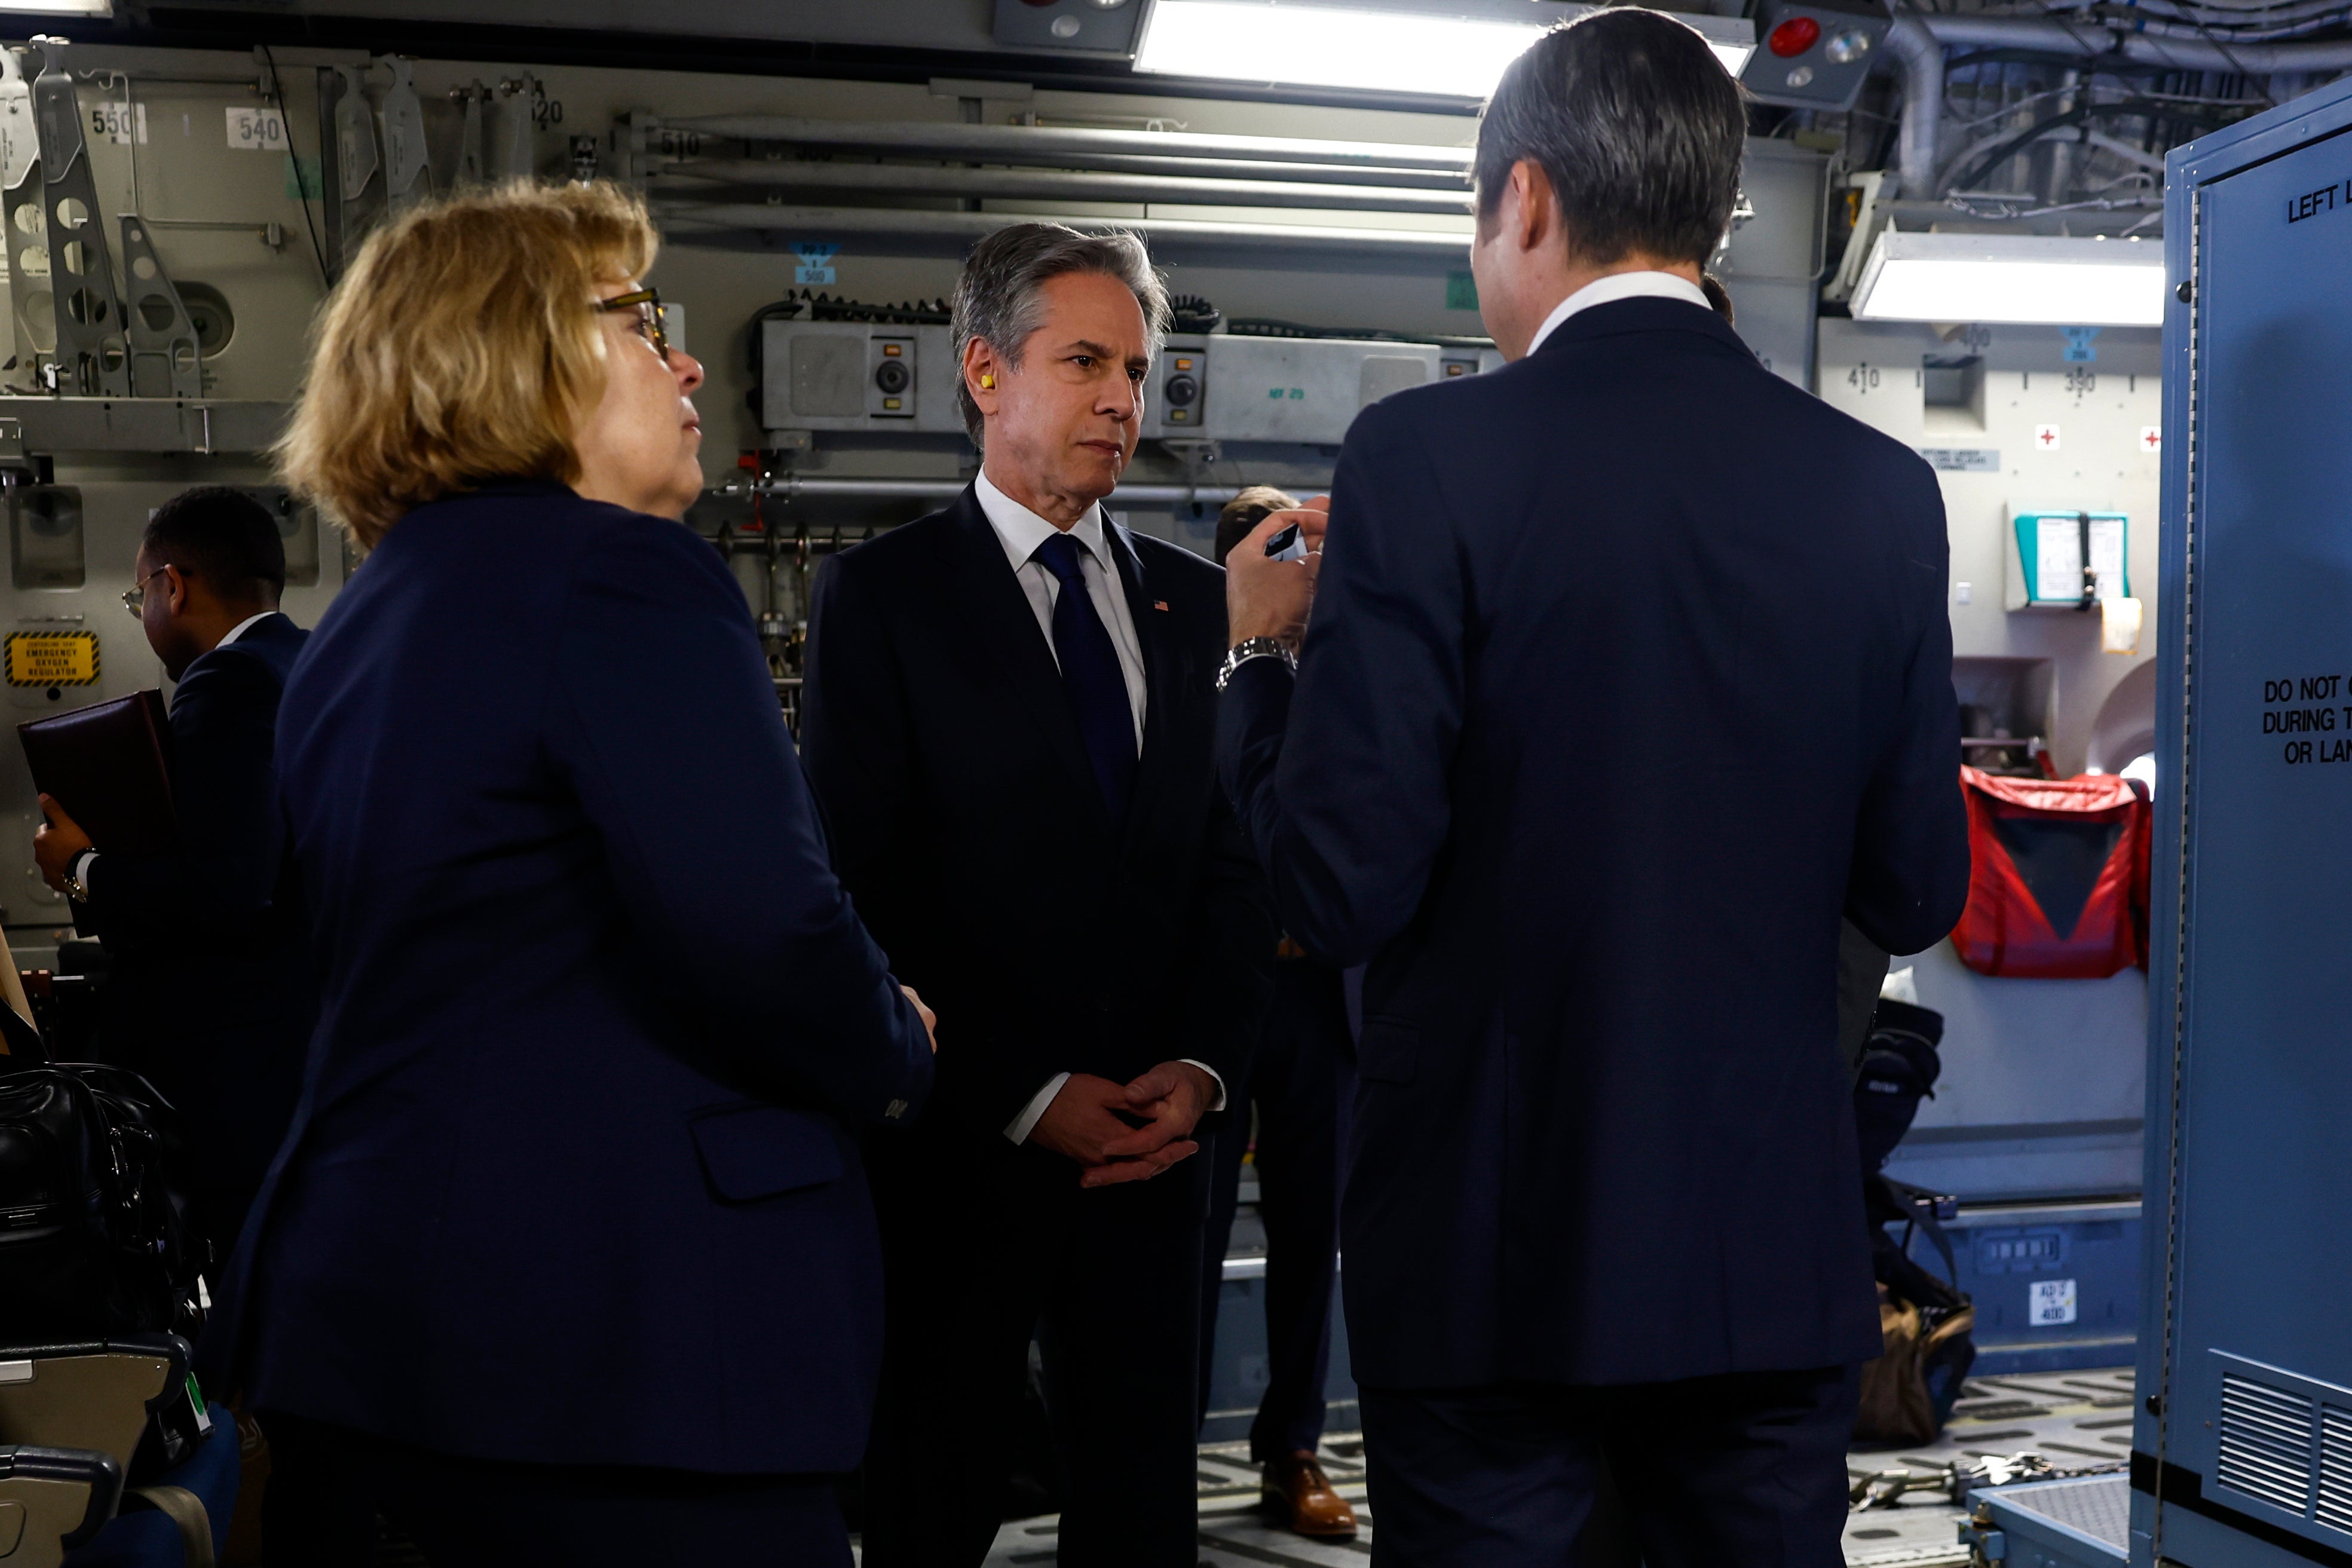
(646, 303)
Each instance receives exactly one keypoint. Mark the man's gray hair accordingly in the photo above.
(999, 298)
(1636, 124)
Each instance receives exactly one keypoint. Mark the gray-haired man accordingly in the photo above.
(1008, 719)
(1575, 1251)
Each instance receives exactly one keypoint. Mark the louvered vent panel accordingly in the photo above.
(2335, 1468)
(2266, 1444)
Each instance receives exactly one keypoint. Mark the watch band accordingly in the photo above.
(75, 888)
(1248, 648)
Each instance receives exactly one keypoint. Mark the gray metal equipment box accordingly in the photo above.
(1085, 27)
(1310, 390)
(850, 375)
(1176, 402)
(2243, 1451)
(1814, 54)
(2082, 1522)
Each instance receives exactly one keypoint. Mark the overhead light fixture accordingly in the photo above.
(2027, 279)
(1457, 50)
(57, 7)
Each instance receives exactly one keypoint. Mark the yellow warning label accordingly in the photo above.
(52, 659)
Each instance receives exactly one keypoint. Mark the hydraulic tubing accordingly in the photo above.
(1923, 104)
(1055, 184)
(1427, 245)
(2091, 40)
(980, 141)
(1919, 42)
(1231, 168)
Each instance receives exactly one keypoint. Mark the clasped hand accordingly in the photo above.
(1126, 1132)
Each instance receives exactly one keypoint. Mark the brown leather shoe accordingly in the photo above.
(1296, 1489)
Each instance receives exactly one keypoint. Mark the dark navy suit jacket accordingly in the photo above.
(968, 822)
(212, 996)
(574, 1177)
(1629, 672)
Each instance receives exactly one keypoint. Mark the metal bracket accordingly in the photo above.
(165, 360)
(405, 158)
(29, 273)
(470, 133)
(20, 144)
(355, 156)
(93, 359)
(513, 152)
(1199, 454)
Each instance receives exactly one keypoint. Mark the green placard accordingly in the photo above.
(1461, 291)
(302, 181)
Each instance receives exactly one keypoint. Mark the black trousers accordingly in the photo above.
(1302, 1083)
(477, 1513)
(984, 1246)
(1746, 1468)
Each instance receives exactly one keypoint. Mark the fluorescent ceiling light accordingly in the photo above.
(2027, 279)
(1457, 53)
(60, 8)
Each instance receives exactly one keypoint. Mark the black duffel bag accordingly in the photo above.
(94, 1237)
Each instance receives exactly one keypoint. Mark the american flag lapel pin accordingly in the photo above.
(1158, 603)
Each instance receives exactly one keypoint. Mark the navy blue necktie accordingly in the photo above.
(1091, 674)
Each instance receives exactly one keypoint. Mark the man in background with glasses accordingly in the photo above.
(209, 995)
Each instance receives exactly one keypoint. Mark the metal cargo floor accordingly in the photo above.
(2075, 1420)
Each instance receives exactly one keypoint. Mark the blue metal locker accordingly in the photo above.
(2244, 1444)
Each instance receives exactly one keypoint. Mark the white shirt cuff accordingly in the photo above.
(1213, 1074)
(1026, 1122)
(79, 866)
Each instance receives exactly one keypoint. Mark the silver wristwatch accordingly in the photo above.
(1248, 648)
(74, 889)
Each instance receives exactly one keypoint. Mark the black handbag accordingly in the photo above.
(1927, 1325)
(94, 1237)
(1899, 1068)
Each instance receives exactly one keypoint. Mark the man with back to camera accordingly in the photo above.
(1630, 674)
(1009, 723)
(211, 996)
(1298, 1084)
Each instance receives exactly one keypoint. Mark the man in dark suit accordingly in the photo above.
(1008, 721)
(210, 997)
(1630, 674)
(1299, 1085)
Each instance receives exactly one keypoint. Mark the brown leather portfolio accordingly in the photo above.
(108, 765)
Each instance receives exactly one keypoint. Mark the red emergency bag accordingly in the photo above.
(2058, 889)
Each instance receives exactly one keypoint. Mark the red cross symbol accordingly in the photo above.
(2151, 438)
(2045, 436)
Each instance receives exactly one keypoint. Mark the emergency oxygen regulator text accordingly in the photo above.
(2307, 713)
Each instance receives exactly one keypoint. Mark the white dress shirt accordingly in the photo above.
(242, 628)
(79, 866)
(1619, 286)
(1021, 531)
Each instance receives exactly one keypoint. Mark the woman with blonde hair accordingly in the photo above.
(568, 1256)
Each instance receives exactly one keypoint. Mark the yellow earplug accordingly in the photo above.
(988, 384)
